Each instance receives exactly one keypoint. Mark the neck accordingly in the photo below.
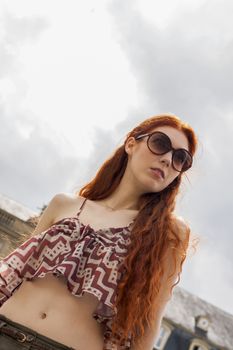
(125, 197)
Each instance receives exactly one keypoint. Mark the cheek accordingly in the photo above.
(137, 166)
(140, 159)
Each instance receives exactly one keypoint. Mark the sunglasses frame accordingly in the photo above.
(171, 148)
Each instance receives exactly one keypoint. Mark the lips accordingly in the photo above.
(160, 171)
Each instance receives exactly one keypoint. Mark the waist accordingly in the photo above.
(26, 336)
(46, 306)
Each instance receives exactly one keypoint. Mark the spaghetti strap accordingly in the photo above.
(81, 207)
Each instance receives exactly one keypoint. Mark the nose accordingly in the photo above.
(166, 158)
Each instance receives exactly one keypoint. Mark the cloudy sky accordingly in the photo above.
(76, 76)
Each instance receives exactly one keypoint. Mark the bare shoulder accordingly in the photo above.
(62, 198)
(70, 198)
(62, 203)
(57, 202)
(54, 208)
(182, 227)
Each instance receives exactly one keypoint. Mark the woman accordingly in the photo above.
(100, 266)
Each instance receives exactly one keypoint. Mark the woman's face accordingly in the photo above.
(141, 161)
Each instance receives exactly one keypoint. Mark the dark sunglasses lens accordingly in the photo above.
(182, 160)
(159, 143)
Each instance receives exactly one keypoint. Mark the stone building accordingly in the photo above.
(16, 220)
(189, 323)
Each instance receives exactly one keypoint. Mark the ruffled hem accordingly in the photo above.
(10, 280)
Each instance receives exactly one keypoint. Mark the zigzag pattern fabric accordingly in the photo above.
(90, 260)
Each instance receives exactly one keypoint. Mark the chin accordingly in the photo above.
(154, 190)
(152, 186)
(159, 189)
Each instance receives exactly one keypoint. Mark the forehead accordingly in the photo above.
(178, 138)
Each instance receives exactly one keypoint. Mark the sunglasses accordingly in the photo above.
(159, 143)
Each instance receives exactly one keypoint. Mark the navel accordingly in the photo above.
(43, 315)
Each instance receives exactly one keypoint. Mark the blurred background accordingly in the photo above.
(76, 76)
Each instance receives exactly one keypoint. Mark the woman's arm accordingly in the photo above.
(7, 272)
(49, 214)
(164, 295)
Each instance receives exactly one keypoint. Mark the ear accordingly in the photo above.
(129, 145)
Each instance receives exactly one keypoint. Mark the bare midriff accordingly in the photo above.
(47, 306)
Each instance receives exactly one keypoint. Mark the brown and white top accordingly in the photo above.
(90, 260)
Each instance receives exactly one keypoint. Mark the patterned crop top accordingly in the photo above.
(90, 260)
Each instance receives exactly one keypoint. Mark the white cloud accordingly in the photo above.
(77, 77)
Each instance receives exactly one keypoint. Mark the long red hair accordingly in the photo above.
(153, 233)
